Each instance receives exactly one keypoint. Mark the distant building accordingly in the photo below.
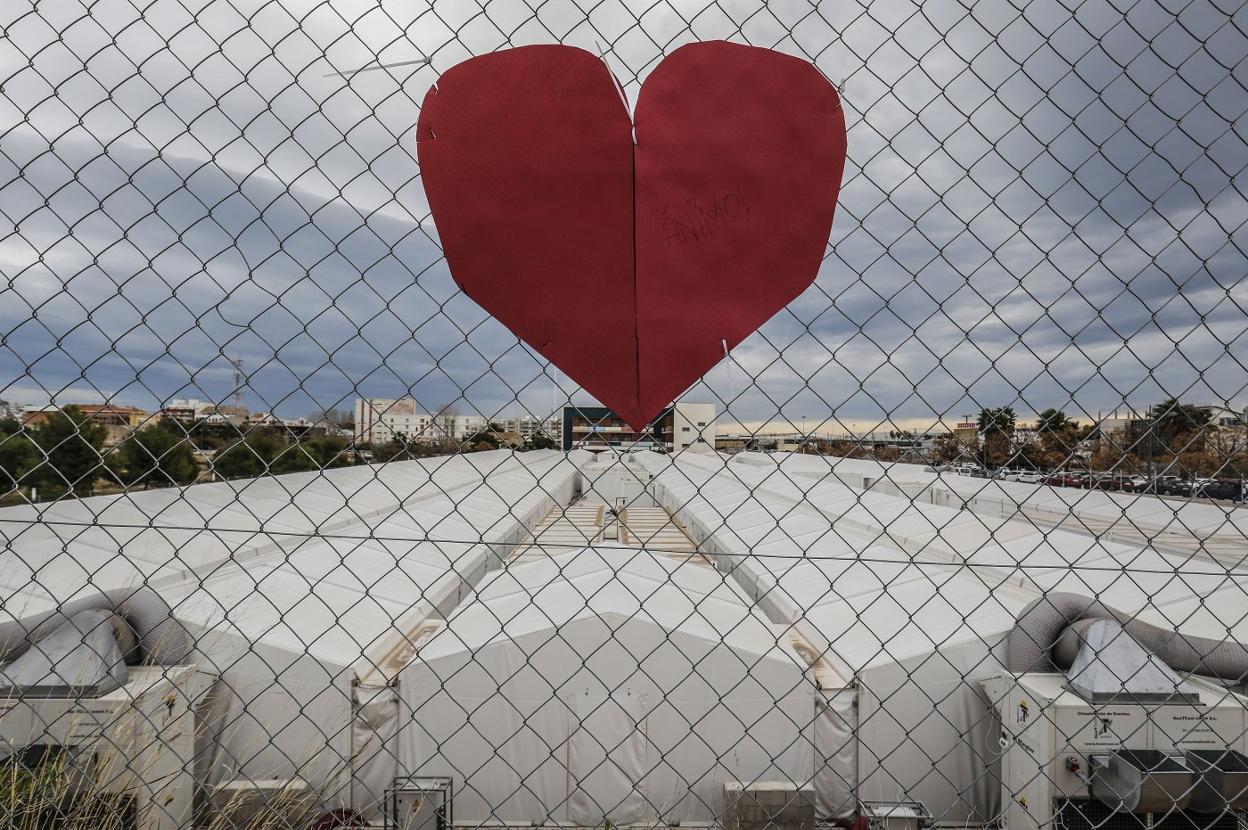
(188, 411)
(114, 415)
(693, 426)
(381, 420)
(682, 426)
(760, 442)
(33, 416)
(118, 420)
(452, 427)
(1224, 417)
(1025, 434)
(528, 425)
(1125, 435)
(966, 431)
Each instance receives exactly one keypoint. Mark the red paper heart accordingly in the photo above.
(632, 267)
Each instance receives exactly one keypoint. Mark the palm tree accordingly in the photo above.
(1059, 436)
(1053, 421)
(997, 427)
(1171, 419)
(999, 421)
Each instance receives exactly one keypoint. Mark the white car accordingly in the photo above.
(1030, 478)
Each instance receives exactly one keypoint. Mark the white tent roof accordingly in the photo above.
(176, 536)
(811, 547)
(1178, 525)
(605, 684)
(292, 586)
(551, 592)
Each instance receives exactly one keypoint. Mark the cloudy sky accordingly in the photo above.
(1041, 208)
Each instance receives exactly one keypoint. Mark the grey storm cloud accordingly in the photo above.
(1041, 207)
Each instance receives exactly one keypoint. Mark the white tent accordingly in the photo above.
(600, 684)
(295, 588)
(910, 603)
(1203, 528)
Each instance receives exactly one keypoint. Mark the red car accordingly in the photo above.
(1066, 480)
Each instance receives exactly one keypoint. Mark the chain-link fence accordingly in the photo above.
(296, 535)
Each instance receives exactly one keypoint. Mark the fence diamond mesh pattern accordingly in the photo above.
(296, 535)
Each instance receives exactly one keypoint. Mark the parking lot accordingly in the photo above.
(1205, 489)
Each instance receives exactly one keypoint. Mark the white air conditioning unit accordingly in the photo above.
(137, 740)
(1067, 760)
(420, 803)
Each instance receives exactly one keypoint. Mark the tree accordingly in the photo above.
(539, 440)
(329, 452)
(18, 455)
(1178, 425)
(156, 457)
(68, 444)
(392, 451)
(1053, 422)
(840, 448)
(207, 436)
(1229, 447)
(950, 449)
(997, 427)
(998, 420)
(1059, 437)
(250, 457)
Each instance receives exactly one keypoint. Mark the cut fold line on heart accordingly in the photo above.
(633, 250)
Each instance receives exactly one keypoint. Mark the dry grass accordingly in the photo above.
(58, 795)
(55, 794)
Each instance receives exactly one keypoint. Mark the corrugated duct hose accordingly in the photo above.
(1048, 633)
(159, 638)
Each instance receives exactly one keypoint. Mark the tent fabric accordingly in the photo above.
(1180, 526)
(68, 548)
(566, 690)
(83, 652)
(374, 755)
(836, 753)
(603, 683)
(290, 587)
(145, 623)
(912, 601)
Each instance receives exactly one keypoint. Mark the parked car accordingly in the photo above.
(1172, 486)
(1217, 489)
(1066, 479)
(1158, 485)
(967, 470)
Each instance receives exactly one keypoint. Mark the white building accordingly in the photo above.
(528, 425)
(382, 420)
(450, 426)
(189, 410)
(693, 426)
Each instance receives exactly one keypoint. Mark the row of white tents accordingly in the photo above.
(911, 603)
(366, 626)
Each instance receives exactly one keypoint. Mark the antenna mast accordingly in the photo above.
(239, 378)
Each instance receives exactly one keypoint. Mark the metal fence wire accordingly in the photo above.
(296, 535)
